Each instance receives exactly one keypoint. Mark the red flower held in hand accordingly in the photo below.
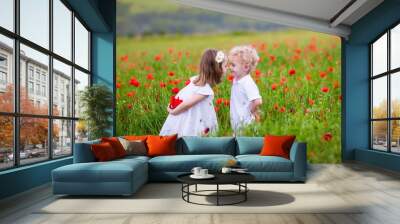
(175, 90)
(174, 102)
(292, 72)
(187, 82)
(134, 82)
(325, 89)
(328, 136)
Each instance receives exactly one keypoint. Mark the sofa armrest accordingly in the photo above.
(83, 152)
(298, 155)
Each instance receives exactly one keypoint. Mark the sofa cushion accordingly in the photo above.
(249, 145)
(83, 152)
(257, 163)
(103, 152)
(161, 145)
(192, 145)
(111, 171)
(185, 163)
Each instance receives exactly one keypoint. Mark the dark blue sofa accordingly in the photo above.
(125, 176)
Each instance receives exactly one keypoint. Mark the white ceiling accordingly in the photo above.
(326, 16)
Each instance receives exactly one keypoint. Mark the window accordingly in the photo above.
(35, 21)
(30, 87)
(385, 94)
(6, 73)
(49, 80)
(7, 14)
(81, 45)
(62, 29)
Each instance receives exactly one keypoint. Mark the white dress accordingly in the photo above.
(199, 120)
(243, 92)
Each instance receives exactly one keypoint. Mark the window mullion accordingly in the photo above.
(389, 106)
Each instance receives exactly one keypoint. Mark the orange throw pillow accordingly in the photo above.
(277, 145)
(103, 151)
(135, 137)
(161, 145)
(116, 145)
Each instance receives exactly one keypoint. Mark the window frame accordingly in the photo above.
(388, 74)
(16, 114)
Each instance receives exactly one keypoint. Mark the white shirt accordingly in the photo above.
(243, 92)
(198, 120)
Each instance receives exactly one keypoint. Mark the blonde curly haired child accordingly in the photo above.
(245, 96)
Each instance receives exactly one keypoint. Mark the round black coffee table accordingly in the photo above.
(238, 179)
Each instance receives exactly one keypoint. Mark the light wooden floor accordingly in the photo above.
(380, 189)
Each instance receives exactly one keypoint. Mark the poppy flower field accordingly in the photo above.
(298, 76)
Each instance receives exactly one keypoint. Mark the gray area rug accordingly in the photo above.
(166, 198)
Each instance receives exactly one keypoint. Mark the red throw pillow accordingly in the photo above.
(135, 137)
(161, 145)
(103, 151)
(277, 145)
(116, 145)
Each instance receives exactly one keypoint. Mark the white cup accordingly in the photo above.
(226, 170)
(203, 172)
(196, 171)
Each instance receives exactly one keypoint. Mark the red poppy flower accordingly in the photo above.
(273, 86)
(157, 57)
(150, 76)
(336, 84)
(170, 50)
(322, 74)
(118, 85)
(258, 72)
(272, 58)
(230, 77)
(175, 90)
(328, 136)
(311, 102)
(174, 102)
(129, 106)
(187, 82)
(219, 101)
(283, 109)
(276, 106)
(162, 85)
(292, 72)
(226, 102)
(124, 58)
(325, 89)
(134, 82)
(308, 77)
(216, 109)
(330, 69)
(131, 94)
(170, 73)
(283, 80)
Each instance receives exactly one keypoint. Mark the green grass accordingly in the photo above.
(297, 106)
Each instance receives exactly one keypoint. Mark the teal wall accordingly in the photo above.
(100, 16)
(355, 82)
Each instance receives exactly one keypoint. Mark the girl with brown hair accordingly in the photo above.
(191, 112)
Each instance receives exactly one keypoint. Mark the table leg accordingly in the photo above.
(217, 194)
